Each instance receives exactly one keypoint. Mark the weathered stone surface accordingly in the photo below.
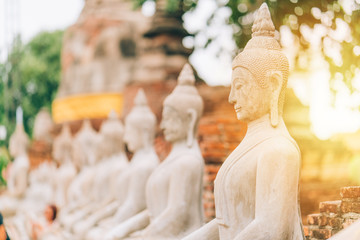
(313, 219)
(350, 192)
(321, 233)
(347, 207)
(335, 222)
(330, 207)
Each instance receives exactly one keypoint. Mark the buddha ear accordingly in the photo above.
(276, 81)
(192, 115)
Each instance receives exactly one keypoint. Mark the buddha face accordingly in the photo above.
(250, 100)
(133, 137)
(174, 127)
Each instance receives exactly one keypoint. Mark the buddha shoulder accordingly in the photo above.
(188, 161)
(280, 147)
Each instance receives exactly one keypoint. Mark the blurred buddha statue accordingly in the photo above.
(62, 154)
(84, 155)
(40, 190)
(256, 188)
(17, 180)
(111, 163)
(43, 126)
(140, 127)
(174, 189)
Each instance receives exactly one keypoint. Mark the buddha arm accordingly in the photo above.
(131, 225)
(276, 195)
(173, 219)
(135, 199)
(210, 231)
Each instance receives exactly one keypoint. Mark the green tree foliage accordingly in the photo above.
(299, 13)
(30, 78)
(4, 160)
(295, 14)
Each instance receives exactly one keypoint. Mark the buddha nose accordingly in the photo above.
(232, 99)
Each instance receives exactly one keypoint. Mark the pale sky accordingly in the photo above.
(38, 15)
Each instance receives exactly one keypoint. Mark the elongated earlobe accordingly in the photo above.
(191, 129)
(276, 86)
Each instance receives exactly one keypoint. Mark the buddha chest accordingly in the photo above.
(235, 188)
(157, 189)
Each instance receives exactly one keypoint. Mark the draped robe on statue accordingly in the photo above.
(235, 198)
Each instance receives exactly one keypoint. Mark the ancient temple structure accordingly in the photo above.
(109, 47)
(98, 57)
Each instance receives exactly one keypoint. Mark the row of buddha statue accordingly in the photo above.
(101, 195)
(99, 192)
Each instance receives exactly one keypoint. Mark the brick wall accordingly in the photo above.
(334, 215)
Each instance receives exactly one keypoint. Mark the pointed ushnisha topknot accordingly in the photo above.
(141, 115)
(113, 114)
(263, 25)
(186, 76)
(140, 99)
(185, 96)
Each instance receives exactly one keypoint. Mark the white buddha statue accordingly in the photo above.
(18, 173)
(140, 126)
(111, 162)
(256, 188)
(174, 189)
(65, 174)
(84, 155)
(40, 190)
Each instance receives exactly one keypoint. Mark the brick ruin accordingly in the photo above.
(334, 215)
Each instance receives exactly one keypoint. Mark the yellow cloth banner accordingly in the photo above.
(86, 106)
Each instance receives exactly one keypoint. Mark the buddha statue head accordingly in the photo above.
(140, 124)
(84, 145)
(182, 109)
(19, 141)
(260, 73)
(111, 137)
(62, 146)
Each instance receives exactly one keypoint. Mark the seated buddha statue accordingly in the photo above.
(174, 190)
(17, 180)
(66, 172)
(111, 164)
(83, 156)
(40, 190)
(256, 188)
(140, 127)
